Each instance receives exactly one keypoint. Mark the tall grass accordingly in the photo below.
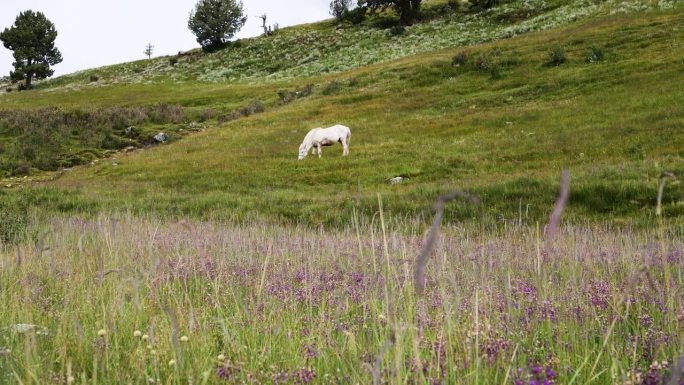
(131, 300)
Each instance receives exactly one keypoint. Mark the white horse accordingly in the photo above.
(319, 137)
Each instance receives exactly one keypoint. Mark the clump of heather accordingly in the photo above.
(208, 302)
(535, 375)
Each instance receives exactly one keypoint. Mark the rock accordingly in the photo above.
(161, 137)
(129, 149)
(24, 328)
(397, 180)
(129, 131)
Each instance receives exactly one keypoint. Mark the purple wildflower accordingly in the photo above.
(599, 293)
(305, 375)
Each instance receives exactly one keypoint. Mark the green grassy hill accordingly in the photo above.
(466, 101)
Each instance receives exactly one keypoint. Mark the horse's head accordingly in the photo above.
(303, 151)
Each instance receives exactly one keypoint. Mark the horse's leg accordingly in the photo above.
(318, 148)
(345, 146)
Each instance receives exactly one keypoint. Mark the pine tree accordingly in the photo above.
(32, 38)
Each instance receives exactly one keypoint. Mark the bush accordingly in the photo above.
(21, 170)
(254, 107)
(207, 114)
(173, 61)
(94, 78)
(460, 59)
(595, 55)
(495, 71)
(287, 96)
(397, 30)
(165, 113)
(356, 15)
(486, 62)
(13, 221)
(556, 56)
(331, 88)
(483, 62)
(484, 4)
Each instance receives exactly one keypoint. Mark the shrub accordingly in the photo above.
(595, 55)
(94, 78)
(495, 71)
(21, 170)
(207, 114)
(483, 62)
(13, 221)
(331, 88)
(287, 96)
(167, 113)
(484, 4)
(397, 30)
(556, 56)
(254, 107)
(305, 91)
(460, 59)
(356, 15)
(173, 61)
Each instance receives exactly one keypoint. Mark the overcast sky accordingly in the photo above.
(93, 33)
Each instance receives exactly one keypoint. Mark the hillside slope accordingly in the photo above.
(502, 125)
(326, 47)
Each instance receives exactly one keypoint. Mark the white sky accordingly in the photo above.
(93, 33)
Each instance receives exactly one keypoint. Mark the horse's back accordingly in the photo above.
(343, 130)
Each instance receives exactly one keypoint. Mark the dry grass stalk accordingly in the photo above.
(422, 259)
(676, 372)
(661, 187)
(562, 201)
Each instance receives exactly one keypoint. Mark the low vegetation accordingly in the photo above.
(125, 300)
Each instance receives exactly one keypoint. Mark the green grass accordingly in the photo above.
(614, 124)
(256, 302)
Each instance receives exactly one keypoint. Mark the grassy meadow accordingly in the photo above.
(495, 120)
(125, 300)
(218, 258)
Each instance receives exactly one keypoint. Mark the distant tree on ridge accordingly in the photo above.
(339, 8)
(215, 22)
(149, 48)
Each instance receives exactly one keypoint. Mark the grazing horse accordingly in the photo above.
(319, 137)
